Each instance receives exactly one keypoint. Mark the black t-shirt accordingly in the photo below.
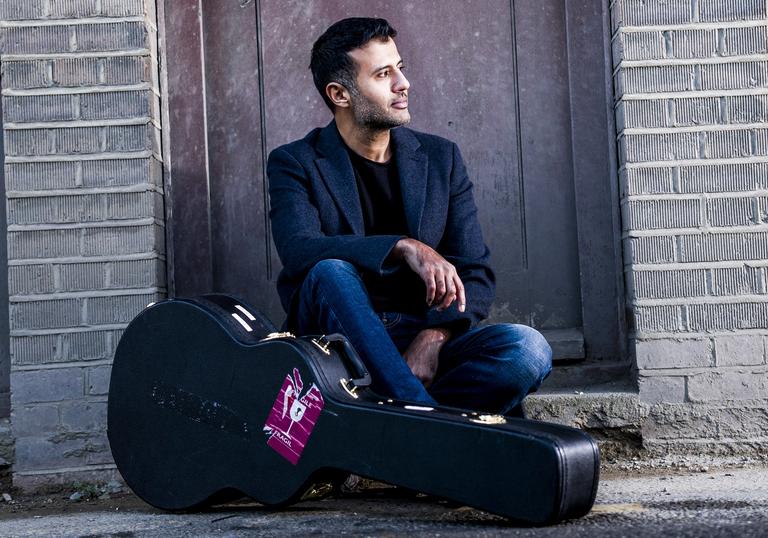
(378, 185)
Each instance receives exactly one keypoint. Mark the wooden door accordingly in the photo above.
(492, 75)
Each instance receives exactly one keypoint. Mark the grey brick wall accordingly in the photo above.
(80, 101)
(691, 84)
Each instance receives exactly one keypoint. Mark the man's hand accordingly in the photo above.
(440, 277)
(422, 355)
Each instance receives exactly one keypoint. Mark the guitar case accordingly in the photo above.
(207, 402)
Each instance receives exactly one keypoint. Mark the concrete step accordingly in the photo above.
(610, 412)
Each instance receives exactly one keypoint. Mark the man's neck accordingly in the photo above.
(374, 145)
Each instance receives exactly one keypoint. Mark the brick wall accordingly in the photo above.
(84, 214)
(691, 85)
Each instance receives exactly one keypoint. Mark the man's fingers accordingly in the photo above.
(430, 283)
(450, 293)
(460, 294)
(440, 285)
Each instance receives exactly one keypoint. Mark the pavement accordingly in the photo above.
(703, 503)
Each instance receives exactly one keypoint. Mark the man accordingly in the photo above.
(377, 230)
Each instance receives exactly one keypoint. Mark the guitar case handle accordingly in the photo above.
(362, 377)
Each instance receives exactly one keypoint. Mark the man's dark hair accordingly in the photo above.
(330, 61)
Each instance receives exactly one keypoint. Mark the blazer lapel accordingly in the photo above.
(336, 170)
(412, 167)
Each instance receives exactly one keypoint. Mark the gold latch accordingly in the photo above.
(347, 385)
(322, 343)
(271, 336)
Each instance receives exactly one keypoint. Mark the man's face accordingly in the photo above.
(380, 99)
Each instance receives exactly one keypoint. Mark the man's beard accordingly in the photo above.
(371, 116)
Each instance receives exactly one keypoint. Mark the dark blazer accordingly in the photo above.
(316, 215)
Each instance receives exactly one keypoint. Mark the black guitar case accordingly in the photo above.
(207, 401)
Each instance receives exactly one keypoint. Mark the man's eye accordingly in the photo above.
(383, 74)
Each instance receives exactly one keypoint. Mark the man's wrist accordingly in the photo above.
(401, 248)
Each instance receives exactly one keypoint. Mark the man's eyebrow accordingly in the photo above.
(377, 69)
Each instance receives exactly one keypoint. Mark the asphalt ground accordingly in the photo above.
(721, 502)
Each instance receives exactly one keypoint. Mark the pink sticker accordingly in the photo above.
(292, 418)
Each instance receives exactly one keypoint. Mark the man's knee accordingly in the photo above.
(532, 352)
(330, 270)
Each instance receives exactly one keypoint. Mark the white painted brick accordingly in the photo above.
(650, 12)
(745, 41)
(661, 214)
(733, 10)
(728, 316)
(114, 173)
(38, 108)
(651, 249)
(656, 180)
(723, 177)
(43, 244)
(83, 276)
(34, 349)
(741, 350)
(661, 389)
(732, 211)
(30, 279)
(747, 108)
(728, 385)
(20, 75)
(122, 240)
(117, 309)
(654, 79)
(696, 43)
(662, 147)
(643, 113)
(73, 9)
(34, 39)
(669, 284)
(641, 45)
(734, 76)
(727, 144)
(762, 208)
(696, 111)
(760, 142)
(656, 319)
(109, 37)
(678, 353)
(15, 11)
(49, 314)
(75, 71)
(737, 280)
(724, 246)
(40, 175)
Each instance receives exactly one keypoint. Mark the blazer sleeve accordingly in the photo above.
(462, 245)
(297, 230)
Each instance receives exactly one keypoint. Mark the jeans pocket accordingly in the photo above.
(390, 319)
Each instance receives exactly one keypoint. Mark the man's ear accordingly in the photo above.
(338, 94)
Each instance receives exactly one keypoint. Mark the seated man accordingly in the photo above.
(378, 234)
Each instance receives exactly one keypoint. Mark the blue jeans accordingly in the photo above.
(488, 369)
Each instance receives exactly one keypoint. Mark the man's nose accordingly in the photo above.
(401, 84)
